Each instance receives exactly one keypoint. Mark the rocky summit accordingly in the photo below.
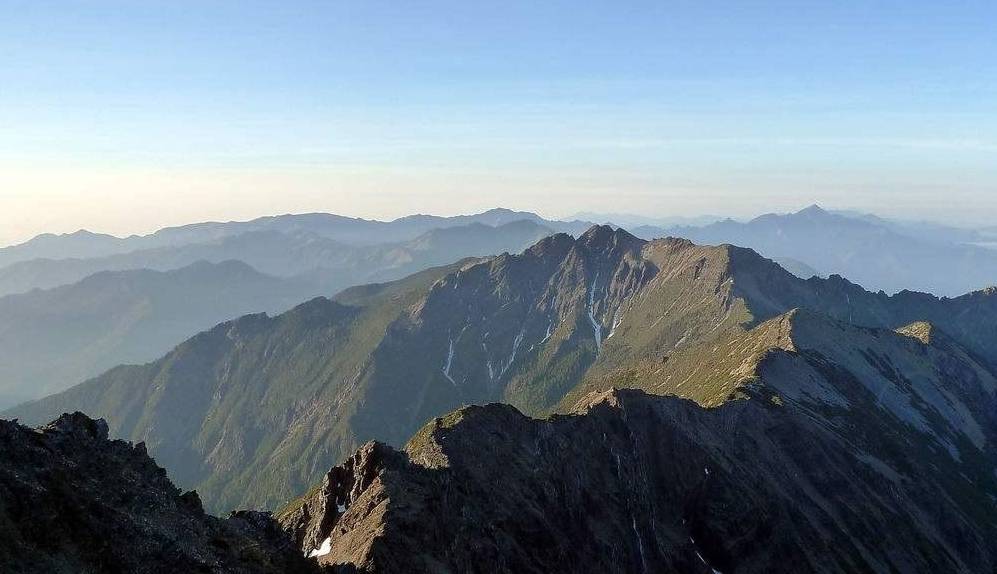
(73, 501)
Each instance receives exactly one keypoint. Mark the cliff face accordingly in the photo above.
(73, 501)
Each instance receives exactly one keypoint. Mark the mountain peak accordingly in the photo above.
(78, 425)
(813, 211)
(595, 232)
(602, 237)
(557, 243)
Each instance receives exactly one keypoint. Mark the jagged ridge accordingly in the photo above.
(636, 483)
(73, 501)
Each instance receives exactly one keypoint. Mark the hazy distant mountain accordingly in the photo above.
(631, 220)
(49, 246)
(52, 339)
(433, 248)
(869, 252)
(256, 409)
(797, 267)
(493, 217)
(291, 253)
(86, 245)
(57, 337)
(271, 252)
(928, 230)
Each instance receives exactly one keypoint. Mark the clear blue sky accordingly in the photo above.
(125, 116)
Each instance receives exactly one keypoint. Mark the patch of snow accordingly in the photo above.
(617, 319)
(322, 550)
(550, 331)
(707, 471)
(341, 508)
(596, 328)
(515, 347)
(683, 339)
(446, 366)
(700, 556)
(640, 544)
(488, 362)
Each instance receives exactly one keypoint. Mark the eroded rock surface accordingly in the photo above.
(73, 501)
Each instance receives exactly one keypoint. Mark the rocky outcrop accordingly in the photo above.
(631, 482)
(73, 501)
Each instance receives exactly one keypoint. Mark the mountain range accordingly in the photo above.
(294, 252)
(255, 410)
(320, 254)
(53, 339)
(876, 253)
(121, 311)
(85, 244)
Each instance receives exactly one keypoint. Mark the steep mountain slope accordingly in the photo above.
(290, 253)
(255, 410)
(73, 501)
(50, 340)
(874, 254)
(851, 450)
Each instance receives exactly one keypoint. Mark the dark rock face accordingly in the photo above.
(73, 501)
(636, 483)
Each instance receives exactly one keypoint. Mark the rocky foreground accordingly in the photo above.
(639, 483)
(628, 482)
(73, 501)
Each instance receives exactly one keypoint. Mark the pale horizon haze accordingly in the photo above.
(124, 117)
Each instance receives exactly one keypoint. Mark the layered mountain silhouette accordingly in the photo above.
(133, 307)
(255, 410)
(875, 253)
(290, 251)
(320, 254)
(53, 339)
(84, 244)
